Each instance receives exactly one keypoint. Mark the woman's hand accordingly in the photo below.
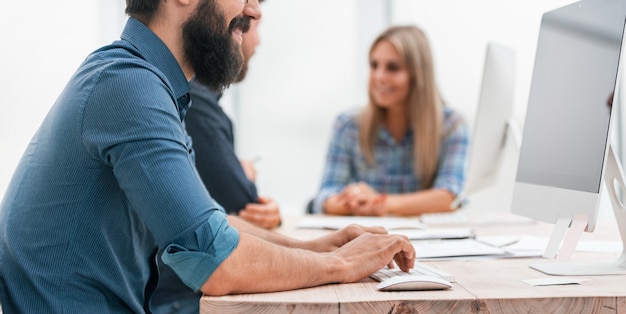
(362, 200)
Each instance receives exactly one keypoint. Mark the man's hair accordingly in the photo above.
(142, 9)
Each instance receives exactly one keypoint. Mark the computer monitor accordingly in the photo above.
(492, 126)
(565, 152)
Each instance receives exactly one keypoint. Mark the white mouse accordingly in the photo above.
(413, 282)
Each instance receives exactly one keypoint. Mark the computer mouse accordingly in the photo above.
(413, 282)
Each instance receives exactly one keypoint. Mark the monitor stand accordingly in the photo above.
(614, 178)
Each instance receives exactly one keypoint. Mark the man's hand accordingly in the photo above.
(249, 169)
(265, 214)
(339, 238)
(369, 252)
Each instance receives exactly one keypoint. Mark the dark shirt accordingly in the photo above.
(107, 180)
(211, 132)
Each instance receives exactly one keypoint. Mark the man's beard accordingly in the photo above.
(209, 47)
(243, 72)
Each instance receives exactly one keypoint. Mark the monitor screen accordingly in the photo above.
(569, 104)
(567, 121)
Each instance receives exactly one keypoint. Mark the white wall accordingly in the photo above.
(312, 64)
(43, 42)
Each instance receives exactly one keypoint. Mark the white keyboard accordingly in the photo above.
(419, 269)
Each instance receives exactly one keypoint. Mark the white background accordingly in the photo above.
(311, 65)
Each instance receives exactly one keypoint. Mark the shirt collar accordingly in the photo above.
(153, 50)
(385, 136)
(212, 95)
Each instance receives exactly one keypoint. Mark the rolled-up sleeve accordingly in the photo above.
(195, 266)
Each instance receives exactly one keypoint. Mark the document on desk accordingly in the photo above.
(338, 222)
(523, 245)
(435, 233)
(518, 245)
(456, 248)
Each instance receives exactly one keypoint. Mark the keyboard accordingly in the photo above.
(419, 269)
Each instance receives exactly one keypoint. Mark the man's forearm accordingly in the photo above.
(270, 236)
(273, 268)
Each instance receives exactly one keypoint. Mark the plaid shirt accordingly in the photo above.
(394, 171)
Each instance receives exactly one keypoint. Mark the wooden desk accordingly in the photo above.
(482, 286)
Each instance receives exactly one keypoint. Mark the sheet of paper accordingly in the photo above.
(530, 245)
(519, 245)
(437, 219)
(551, 281)
(338, 222)
(438, 249)
(435, 233)
(500, 240)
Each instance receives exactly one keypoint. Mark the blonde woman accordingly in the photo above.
(405, 152)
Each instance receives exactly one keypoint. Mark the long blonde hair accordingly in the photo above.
(424, 101)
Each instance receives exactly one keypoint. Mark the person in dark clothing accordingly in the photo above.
(230, 181)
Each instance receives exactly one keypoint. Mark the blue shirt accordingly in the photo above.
(393, 172)
(107, 180)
